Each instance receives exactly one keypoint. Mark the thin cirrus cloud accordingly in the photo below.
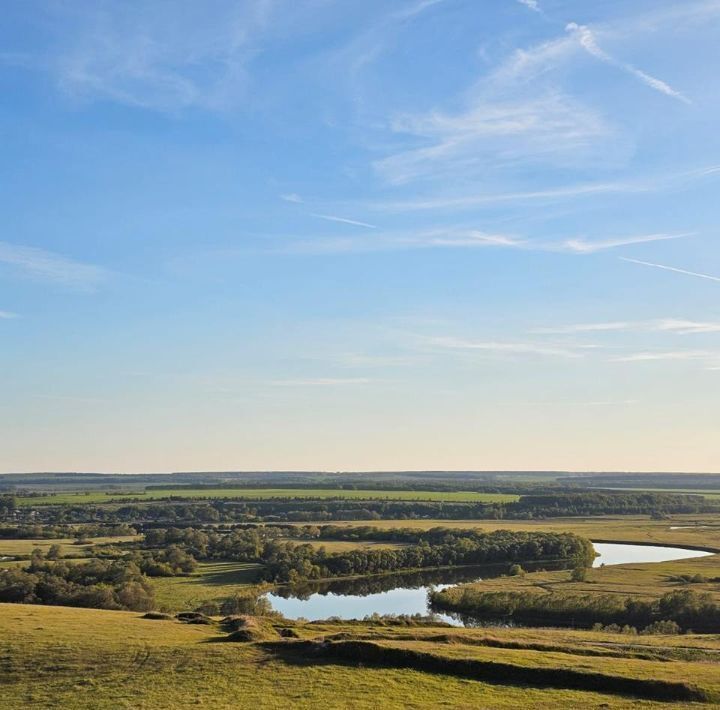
(583, 246)
(464, 237)
(654, 356)
(481, 198)
(343, 220)
(50, 267)
(661, 325)
(533, 5)
(436, 237)
(516, 115)
(587, 40)
(513, 115)
(321, 382)
(8, 315)
(292, 197)
(570, 403)
(551, 128)
(157, 56)
(492, 199)
(673, 269)
(499, 347)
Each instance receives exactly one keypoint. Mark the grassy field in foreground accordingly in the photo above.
(83, 658)
(263, 493)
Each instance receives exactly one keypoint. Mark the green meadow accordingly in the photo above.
(85, 497)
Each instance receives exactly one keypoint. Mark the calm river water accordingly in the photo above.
(407, 593)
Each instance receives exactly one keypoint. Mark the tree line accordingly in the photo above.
(690, 610)
(120, 583)
(285, 560)
(55, 532)
(529, 507)
(99, 584)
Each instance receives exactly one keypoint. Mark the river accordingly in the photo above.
(407, 593)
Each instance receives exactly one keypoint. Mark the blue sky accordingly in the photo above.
(347, 235)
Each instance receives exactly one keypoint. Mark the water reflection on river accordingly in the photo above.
(384, 594)
(407, 593)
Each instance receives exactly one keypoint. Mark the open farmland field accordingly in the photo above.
(706, 493)
(264, 493)
(49, 660)
(68, 546)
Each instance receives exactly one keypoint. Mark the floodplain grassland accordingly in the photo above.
(49, 659)
(641, 580)
(216, 581)
(705, 492)
(212, 581)
(68, 546)
(699, 531)
(86, 497)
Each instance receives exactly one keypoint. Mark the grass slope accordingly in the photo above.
(85, 658)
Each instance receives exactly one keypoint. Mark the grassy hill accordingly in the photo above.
(86, 658)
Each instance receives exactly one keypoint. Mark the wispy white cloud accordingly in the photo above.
(292, 197)
(654, 355)
(414, 9)
(366, 360)
(343, 220)
(321, 382)
(674, 269)
(588, 41)
(161, 56)
(484, 198)
(464, 237)
(437, 237)
(8, 315)
(660, 325)
(48, 266)
(499, 347)
(584, 246)
(493, 199)
(570, 403)
(71, 398)
(531, 4)
(492, 132)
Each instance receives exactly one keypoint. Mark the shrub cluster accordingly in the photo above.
(98, 584)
